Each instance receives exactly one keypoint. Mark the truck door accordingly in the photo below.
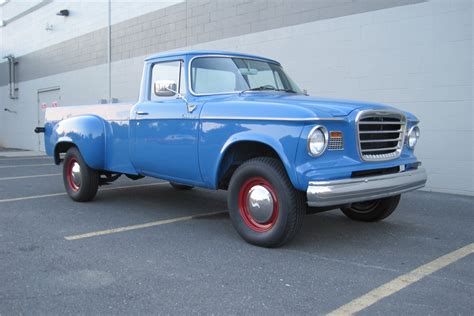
(164, 131)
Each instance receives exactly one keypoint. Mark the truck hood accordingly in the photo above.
(287, 105)
(322, 107)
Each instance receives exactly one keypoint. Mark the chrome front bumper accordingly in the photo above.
(345, 191)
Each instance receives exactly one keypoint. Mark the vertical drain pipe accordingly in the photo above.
(12, 76)
(109, 50)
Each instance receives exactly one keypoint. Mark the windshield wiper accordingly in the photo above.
(260, 89)
(287, 90)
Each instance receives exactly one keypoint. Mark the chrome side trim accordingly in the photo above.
(346, 191)
(288, 119)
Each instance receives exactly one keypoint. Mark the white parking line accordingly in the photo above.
(402, 281)
(33, 176)
(31, 197)
(34, 165)
(139, 226)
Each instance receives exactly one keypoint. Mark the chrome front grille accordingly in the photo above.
(380, 134)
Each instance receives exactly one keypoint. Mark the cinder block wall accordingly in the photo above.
(416, 55)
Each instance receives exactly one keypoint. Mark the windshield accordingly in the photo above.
(211, 75)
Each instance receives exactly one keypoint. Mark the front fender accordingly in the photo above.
(87, 133)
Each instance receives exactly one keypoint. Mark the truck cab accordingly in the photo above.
(238, 122)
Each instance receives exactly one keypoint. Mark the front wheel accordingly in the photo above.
(80, 181)
(265, 208)
(372, 211)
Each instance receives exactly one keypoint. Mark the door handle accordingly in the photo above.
(141, 113)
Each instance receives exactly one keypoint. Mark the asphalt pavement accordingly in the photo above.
(148, 249)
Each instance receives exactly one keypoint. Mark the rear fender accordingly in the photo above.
(87, 133)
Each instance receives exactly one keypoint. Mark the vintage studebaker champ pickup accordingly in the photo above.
(237, 122)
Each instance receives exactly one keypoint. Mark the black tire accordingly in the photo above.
(372, 211)
(84, 185)
(288, 207)
(178, 186)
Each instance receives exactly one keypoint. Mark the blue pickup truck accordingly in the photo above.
(237, 122)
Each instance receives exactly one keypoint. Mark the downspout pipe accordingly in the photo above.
(109, 49)
(12, 76)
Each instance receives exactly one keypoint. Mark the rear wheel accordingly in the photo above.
(265, 208)
(178, 186)
(80, 181)
(372, 211)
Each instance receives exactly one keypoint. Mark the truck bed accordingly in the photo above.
(115, 131)
(109, 112)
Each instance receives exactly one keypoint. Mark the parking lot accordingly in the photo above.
(142, 247)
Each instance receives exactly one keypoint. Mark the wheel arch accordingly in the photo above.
(238, 150)
(61, 147)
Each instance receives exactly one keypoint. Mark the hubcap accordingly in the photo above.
(74, 175)
(260, 204)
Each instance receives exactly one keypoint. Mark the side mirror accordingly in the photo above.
(169, 88)
(305, 92)
(165, 88)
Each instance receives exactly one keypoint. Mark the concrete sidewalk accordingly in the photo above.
(14, 152)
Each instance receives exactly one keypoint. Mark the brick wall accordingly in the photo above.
(177, 25)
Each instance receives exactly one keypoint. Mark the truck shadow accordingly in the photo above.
(164, 197)
(321, 231)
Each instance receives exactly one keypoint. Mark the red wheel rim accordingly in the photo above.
(245, 212)
(69, 175)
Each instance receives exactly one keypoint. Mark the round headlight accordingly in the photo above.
(413, 136)
(317, 141)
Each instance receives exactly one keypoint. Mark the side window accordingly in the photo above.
(166, 74)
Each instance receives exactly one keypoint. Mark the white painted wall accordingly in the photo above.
(28, 34)
(16, 8)
(17, 128)
(416, 57)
